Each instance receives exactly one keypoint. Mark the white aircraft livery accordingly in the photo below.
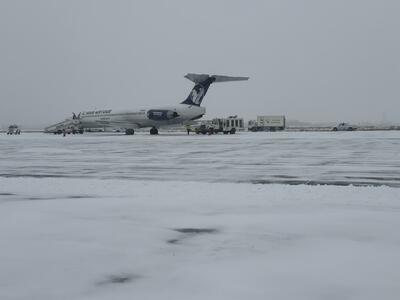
(157, 117)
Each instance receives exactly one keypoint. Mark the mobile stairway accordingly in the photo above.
(71, 125)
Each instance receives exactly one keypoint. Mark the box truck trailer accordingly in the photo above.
(267, 123)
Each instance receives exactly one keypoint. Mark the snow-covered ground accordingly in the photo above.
(358, 158)
(177, 217)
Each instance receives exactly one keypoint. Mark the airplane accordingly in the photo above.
(156, 117)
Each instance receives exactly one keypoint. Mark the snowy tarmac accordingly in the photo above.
(333, 158)
(201, 217)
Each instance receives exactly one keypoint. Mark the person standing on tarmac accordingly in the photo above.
(188, 129)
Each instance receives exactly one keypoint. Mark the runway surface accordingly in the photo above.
(250, 216)
(332, 158)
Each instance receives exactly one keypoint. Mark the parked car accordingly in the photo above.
(344, 127)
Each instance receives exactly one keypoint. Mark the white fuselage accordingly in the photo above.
(154, 117)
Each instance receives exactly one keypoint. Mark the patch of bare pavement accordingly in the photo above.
(118, 279)
(372, 183)
(191, 232)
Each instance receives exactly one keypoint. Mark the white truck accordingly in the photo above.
(268, 123)
(225, 125)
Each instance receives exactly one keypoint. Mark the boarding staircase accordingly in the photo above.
(70, 125)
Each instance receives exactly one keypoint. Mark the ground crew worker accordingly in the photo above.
(188, 129)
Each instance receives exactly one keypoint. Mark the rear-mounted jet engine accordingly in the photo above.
(162, 114)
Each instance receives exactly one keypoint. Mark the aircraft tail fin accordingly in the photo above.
(203, 82)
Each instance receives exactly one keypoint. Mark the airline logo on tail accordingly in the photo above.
(197, 94)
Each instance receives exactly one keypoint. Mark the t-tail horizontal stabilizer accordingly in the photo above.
(203, 82)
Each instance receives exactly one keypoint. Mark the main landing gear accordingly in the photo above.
(130, 131)
(153, 131)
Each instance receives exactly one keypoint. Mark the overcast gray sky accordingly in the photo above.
(311, 60)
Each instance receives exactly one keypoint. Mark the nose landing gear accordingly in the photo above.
(153, 131)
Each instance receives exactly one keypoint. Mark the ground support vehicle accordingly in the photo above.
(344, 127)
(221, 125)
(13, 129)
(267, 123)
